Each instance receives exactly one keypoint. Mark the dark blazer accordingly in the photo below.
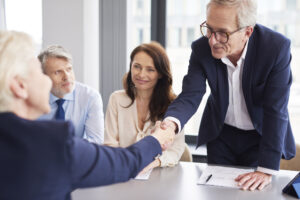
(266, 82)
(41, 160)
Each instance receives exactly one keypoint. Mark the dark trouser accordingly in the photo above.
(234, 147)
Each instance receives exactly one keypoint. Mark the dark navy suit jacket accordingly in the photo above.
(41, 160)
(266, 82)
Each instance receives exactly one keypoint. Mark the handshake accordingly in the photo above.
(164, 132)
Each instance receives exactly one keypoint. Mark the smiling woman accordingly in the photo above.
(153, 59)
(131, 113)
(143, 73)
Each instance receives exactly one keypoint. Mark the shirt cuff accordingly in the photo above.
(92, 139)
(176, 121)
(267, 171)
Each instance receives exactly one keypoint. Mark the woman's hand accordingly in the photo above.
(152, 165)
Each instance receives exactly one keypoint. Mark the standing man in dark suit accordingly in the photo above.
(247, 67)
(43, 159)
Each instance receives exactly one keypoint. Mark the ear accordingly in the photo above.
(18, 87)
(249, 31)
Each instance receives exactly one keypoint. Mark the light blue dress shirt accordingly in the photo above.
(84, 108)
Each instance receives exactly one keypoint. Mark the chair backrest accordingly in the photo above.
(186, 156)
(293, 164)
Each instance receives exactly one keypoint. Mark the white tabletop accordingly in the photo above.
(180, 183)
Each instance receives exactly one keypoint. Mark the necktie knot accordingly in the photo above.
(60, 102)
(60, 113)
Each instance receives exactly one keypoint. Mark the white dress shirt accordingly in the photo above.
(83, 106)
(237, 114)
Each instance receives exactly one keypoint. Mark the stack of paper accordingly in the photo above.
(143, 176)
(221, 176)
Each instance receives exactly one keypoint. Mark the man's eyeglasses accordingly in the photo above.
(220, 36)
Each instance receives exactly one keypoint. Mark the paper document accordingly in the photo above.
(221, 176)
(143, 176)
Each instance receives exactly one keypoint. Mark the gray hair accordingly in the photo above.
(55, 51)
(16, 51)
(246, 10)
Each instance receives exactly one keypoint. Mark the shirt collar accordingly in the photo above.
(69, 96)
(226, 61)
(245, 51)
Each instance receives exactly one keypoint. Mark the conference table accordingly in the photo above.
(180, 183)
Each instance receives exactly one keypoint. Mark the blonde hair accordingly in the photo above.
(246, 10)
(16, 50)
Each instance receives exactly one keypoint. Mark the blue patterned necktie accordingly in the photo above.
(60, 113)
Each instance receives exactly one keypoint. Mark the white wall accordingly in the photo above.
(94, 31)
(74, 24)
(91, 43)
(2, 16)
(112, 46)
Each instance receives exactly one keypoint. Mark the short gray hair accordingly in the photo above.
(55, 51)
(16, 51)
(246, 10)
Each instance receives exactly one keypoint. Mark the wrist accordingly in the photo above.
(173, 126)
(159, 162)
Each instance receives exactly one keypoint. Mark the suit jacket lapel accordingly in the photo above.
(222, 84)
(248, 69)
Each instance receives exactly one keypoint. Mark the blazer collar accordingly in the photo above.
(249, 64)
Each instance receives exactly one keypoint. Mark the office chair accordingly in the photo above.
(293, 164)
(186, 156)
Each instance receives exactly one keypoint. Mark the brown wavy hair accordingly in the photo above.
(163, 93)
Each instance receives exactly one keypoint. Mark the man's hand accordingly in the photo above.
(165, 137)
(254, 180)
(168, 123)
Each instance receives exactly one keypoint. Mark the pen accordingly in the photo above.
(208, 178)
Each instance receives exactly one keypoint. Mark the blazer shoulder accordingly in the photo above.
(201, 47)
(53, 128)
(268, 38)
(43, 131)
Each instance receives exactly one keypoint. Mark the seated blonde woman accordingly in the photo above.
(132, 112)
(43, 159)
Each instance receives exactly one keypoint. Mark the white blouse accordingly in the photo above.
(122, 130)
